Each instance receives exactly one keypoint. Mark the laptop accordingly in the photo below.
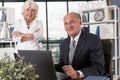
(43, 63)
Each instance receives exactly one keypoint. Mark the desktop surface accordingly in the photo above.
(62, 76)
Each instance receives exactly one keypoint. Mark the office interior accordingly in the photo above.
(51, 13)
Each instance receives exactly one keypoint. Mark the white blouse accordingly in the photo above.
(21, 26)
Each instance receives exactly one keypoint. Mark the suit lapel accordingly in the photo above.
(66, 49)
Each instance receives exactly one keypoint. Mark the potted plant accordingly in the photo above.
(11, 69)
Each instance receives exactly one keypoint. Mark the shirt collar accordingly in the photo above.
(76, 38)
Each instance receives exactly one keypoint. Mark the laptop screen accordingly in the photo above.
(43, 63)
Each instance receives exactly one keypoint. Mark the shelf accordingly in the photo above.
(7, 14)
(109, 28)
(116, 77)
(93, 10)
(2, 8)
(7, 41)
(1, 22)
(112, 38)
(100, 22)
(116, 58)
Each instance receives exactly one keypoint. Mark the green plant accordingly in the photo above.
(16, 69)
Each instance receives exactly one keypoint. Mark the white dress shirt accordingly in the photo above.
(76, 41)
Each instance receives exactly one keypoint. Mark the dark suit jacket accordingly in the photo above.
(88, 57)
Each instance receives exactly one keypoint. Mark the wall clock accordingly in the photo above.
(99, 15)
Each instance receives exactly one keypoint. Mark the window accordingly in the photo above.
(17, 7)
(56, 12)
(53, 22)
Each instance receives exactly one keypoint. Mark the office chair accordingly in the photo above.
(107, 47)
(106, 44)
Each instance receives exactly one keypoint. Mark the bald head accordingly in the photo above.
(72, 24)
(75, 14)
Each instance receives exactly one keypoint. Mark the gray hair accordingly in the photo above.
(77, 14)
(29, 3)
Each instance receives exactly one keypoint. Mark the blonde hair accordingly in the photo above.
(29, 3)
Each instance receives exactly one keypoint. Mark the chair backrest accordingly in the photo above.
(106, 44)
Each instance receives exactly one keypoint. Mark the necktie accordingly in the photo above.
(71, 51)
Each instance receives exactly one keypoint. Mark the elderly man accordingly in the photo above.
(81, 53)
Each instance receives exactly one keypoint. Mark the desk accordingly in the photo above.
(9, 42)
(92, 78)
(62, 76)
(96, 78)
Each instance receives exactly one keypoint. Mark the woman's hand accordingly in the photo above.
(37, 30)
(24, 37)
(17, 34)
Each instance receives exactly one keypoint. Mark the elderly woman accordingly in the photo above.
(28, 31)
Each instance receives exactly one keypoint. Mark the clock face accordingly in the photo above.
(99, 15)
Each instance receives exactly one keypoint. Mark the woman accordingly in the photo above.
(28, 31)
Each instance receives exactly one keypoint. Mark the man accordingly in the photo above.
(88, 57)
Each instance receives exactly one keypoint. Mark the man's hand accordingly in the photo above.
(69, 71)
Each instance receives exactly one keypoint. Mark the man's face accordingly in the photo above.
(72, 24)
